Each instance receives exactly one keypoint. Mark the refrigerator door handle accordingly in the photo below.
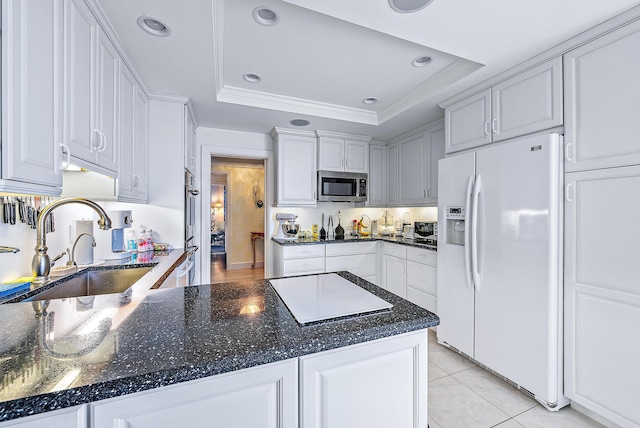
(467, 235)
(477, 188)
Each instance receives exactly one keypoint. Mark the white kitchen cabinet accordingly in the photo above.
(342, 152)
(527, 102)
(264, 396)
(601, 92)
(298, 259)
(418, 156)
(91, 71)
(132, 179)
(422, 278)
(377, 384)
(71, 417)
(602, 292)
(296, 173)
(377, 175)
(392, 174)
(394, 268)
(31, 98)
(190, 150)
(358, 258)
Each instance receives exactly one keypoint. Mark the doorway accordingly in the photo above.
(237, 219)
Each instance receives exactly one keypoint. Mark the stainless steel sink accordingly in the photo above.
(93, 282)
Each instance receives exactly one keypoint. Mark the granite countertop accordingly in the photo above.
(393, 239)
(162, 264)
(65, 352)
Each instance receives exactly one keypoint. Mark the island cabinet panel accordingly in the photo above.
(260, 397)
(378, 384)
(72, 417)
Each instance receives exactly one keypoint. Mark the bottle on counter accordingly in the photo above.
(142, 240)
(132, 240)
(149, 239)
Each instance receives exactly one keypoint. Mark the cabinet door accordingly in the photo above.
(602, 292)
(141, 144)
(358, 264)
(377, 384)
(377, 181)
(330, 154)
(189, 142)
(395, 269)
(412, 169)
(528, 102)
(467, 123)
(72, 417)
(80, 32)
(32, 85)
(264, 396)
(602, 90)
(356, 156)
(127, 133)
(106, 102)
(392, 183)
(296, 170)
(435, 152)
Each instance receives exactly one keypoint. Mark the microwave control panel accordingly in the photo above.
(362, 187)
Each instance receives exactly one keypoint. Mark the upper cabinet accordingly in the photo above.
(296, 173)
(528, 102)
(91, 70)
(602, 90)
(189, 141)
(342, 152)
(31, 83)
(377, 175)
(132, 178)
(413, 159)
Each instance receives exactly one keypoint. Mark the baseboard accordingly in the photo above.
(244, 265)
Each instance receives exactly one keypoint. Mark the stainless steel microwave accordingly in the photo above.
(342, 186)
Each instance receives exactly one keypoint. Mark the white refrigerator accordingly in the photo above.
(499, 261)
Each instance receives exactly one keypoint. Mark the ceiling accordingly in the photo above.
(322, 59)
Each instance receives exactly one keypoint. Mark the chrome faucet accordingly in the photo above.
(41, 264)
(72, 254)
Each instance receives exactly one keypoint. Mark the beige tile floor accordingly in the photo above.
(463, 395)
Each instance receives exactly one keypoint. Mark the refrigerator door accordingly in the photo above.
(517, 301)
(455, 294)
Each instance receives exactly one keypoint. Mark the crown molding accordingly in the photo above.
(353, 137)
(276, 131)
(234, 95)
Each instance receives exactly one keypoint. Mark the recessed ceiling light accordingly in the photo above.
(264, 15)
(153, 26)
(252, 78)
(299, 122)
(370, 100)
(409, 6)
(422, 61)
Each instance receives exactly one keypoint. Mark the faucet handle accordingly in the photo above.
(59, 256)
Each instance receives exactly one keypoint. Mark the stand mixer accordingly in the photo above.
(287, 229)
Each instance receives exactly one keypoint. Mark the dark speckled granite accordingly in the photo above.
(391, 239)
(105, 347)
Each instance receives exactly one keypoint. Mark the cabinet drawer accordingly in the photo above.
(358, 264)
(422, 277)
(395, 250)
(351, 248)
(420, 298)
(420, 255)
(303, 251)
(303, 266)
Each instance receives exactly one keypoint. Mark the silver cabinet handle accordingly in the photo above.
(494, 126)
(487, 129)
(66, 149)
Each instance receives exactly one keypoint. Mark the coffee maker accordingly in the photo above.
(287, 227)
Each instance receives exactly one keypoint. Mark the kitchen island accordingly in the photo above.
(109, 352)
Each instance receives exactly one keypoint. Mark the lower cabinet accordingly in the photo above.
(264, 396)
(72, 417)
(298, 259)
(422, 278)
(394, 268)
(602, 292)
(358, 258)
(378, 384)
